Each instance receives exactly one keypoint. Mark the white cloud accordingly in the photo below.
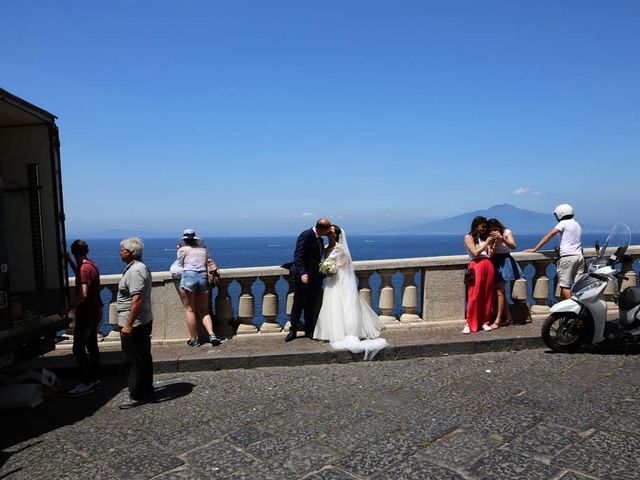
(306, 215)
(525, 191)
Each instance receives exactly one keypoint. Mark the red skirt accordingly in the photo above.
(480, 293)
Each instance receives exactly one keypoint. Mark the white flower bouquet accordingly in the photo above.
(328, 267)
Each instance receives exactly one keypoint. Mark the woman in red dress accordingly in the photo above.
(481, 287)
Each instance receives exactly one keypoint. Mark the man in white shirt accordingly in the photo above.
(571, 263)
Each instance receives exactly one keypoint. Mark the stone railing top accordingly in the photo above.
(450, 261)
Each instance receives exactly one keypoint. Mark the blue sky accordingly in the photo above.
(255, 117)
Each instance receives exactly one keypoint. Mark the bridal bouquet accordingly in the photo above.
(328, 267)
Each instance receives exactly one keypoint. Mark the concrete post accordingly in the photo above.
(270, 307)
(387, 295)
(540, 288)
(409, 298)
(363, 286)
(519, 308)
(246, 306)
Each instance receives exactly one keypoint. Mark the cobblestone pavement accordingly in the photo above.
(521, 415)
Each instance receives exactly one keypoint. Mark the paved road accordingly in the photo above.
(524, 415)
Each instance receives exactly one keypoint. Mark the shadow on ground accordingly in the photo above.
(58, 411)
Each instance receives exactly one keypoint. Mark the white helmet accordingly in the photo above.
(562, 211)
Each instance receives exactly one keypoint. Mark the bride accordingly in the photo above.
(345, 319)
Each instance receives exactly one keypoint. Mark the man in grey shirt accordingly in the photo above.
(135, 320)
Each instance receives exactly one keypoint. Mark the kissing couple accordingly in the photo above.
(344, 319)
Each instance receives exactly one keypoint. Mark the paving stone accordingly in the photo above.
(264, 471)
(624, 422)
(613, 442)
(183, 473)
(219, 459)
(543, 440)
(85, 471)
(330, 473)
(461, 448)
(369, 459)
(506, 422)
(247, 436)
(501, 465)
(176, 437)
(96, 440)
(299, 457)
(598, 464)
(430, 429)
(391, 399)
(60, 463)
(141, 461)
(580, 415)
(414, 468)
(367, 432)
(573, 476)
(309, 457)
(39, 459)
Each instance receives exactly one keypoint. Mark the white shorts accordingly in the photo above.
(569, 268)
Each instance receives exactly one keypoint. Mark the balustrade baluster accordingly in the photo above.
(223, 324)
(387, 297)
(409, 298)
(519, 296)
(270, 306)
(363, 286)
(246, 306)
(540, 288)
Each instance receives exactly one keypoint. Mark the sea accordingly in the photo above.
(233, 252)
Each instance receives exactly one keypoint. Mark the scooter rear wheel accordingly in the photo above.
(563, 332)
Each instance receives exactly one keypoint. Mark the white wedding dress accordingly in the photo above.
(346, 320)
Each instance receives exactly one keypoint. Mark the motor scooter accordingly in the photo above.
(583, 318)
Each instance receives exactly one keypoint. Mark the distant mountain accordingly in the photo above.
(517, 219)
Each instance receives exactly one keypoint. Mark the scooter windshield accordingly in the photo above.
(616, 245)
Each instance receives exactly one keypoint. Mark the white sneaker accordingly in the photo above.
(81, 389)
(466, 329)
(486, 327)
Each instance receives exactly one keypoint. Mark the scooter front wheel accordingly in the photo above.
(563, 332)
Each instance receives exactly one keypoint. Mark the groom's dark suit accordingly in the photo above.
(306, 297)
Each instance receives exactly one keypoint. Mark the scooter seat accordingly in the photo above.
(629, 298)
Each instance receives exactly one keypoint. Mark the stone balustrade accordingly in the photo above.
(405, 293)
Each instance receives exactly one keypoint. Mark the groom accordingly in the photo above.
(307, 279)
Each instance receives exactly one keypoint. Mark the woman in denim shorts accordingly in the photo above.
(195, 287)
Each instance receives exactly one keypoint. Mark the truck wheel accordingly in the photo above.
(563, 332)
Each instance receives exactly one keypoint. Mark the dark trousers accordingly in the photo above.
(138, 364)
(85, 349)
(306, 298)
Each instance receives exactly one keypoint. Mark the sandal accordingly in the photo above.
(494, 326)
(506, 323)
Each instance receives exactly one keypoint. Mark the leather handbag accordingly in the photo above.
(469, 276)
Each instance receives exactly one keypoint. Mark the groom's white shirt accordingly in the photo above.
(315, 231)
